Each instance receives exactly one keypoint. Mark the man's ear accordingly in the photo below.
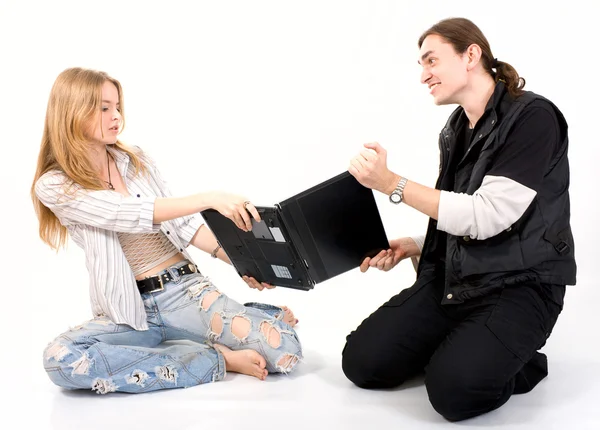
(473, 54)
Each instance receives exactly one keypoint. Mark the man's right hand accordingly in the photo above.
(400, 249)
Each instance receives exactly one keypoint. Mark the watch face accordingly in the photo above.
(395, 197)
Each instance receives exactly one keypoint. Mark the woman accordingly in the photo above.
(145, 288)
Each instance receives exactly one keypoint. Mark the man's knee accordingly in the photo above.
(356, 367)
(351, 365)
(365, 368)
(460, 394)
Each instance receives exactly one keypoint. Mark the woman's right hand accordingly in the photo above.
(237, 208)
(400, 249)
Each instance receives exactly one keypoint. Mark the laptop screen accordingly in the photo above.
(338, 225)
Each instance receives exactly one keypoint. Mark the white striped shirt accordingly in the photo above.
(93, 219)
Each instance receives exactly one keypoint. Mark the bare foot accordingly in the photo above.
(288, 316)
(245, 361)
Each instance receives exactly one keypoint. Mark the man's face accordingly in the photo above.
(444, 71)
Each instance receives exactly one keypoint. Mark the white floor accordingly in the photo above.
(317, 395)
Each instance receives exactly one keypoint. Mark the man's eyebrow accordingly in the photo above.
(424, 56)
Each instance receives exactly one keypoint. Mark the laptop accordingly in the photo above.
(307, 239)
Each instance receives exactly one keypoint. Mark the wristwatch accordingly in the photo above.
(398, 193)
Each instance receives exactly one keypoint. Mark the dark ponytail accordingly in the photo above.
(507, 74)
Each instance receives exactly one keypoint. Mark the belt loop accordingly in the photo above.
(174, 272)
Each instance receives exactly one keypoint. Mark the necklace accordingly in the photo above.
(109, 182)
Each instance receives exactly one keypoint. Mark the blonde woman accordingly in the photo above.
(145, 288)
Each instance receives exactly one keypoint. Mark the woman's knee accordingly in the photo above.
(64, 361)
(66, 352)
(70, 355)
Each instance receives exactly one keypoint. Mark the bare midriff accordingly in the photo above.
(162, 266)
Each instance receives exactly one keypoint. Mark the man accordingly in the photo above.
(498, 251)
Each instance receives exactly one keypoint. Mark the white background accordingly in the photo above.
(265, 99)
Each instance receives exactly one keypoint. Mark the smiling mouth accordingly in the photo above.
(432, 86)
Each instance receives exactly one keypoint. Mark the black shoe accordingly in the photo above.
(531, 374)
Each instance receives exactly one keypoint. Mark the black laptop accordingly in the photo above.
(309, 238)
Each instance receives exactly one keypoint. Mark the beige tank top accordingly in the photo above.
(146, 250)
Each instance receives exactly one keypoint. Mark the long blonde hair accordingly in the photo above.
(74, 103)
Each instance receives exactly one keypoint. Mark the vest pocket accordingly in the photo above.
(498, 254)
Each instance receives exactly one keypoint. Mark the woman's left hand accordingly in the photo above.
(253, 283)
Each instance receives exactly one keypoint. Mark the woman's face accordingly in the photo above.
(105, 127)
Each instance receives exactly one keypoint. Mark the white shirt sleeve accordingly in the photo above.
(494, 207)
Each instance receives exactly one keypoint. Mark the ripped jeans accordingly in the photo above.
(106, 357)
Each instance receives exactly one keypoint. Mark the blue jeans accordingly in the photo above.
(107, 357)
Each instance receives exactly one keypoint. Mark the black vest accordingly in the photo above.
(538, 247)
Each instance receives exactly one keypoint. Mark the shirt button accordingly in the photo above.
(138, 195)
(449, 296)
(466, 238)
(168, 232)
(480, 136)
(493, 121)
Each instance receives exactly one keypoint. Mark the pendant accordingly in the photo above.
(110, 186)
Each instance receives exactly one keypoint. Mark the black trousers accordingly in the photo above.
(475, 355)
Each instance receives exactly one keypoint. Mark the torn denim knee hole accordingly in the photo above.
(214, 333)
(287, 363)
(103, 386)
(167, 373)
(138, 377)
(56, 351)
(81, 366)
(197, 289)
(271, 334)
(209, 299)
(241, 326)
